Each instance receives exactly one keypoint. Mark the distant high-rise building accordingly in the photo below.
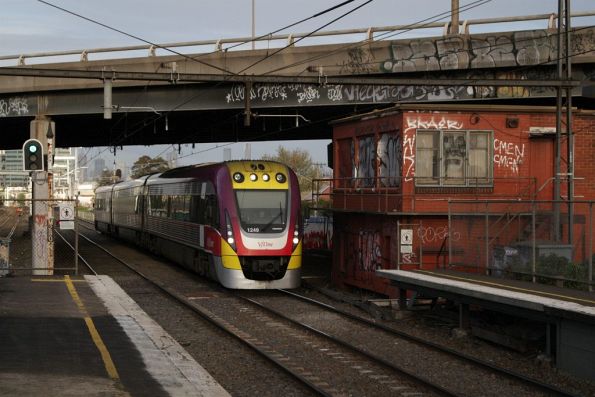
(64, 169)
(12, 161)
(98, 167)
(83, 168)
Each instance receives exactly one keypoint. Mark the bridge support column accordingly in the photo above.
(42, 245)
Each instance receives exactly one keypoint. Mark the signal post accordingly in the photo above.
(34, 153)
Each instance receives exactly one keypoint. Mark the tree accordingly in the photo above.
(300, 161)
(145, 165)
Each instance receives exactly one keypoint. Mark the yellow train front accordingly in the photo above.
(261, 244)
(237, 222)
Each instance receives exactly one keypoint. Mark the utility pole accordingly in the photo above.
(564, 100)
(454, 13)
(253, 23)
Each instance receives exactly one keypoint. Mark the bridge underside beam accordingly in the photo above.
(148, 128)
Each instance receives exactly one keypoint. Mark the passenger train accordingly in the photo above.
(237, 222)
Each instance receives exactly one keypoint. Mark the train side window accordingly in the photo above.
(158, 206)
(211, 211)
(180, 208)
(194, 210)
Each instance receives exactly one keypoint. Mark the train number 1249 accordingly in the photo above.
(253, 229)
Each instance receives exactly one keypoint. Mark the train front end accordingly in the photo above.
(261, 230)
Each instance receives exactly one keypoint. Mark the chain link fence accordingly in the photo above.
(38, 237)
(541, 241)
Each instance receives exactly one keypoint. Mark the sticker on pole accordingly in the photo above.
(66, 216)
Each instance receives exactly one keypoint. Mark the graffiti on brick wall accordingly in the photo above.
(15, 106)
(430, 234)
(369, 252)
(421, 121)
(389, 152)
(508, 155)
(409, 258)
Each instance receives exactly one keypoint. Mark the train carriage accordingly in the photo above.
(237, 222)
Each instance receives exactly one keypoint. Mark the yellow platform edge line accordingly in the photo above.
(105, 355)
(53, 280)
(529, 291)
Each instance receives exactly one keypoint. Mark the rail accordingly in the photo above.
(290, 38)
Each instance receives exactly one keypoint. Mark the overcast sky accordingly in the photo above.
(28, 26)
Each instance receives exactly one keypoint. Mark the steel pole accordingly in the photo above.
(569, 134)
(454, 22)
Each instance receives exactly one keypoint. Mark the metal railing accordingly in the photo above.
(386, 193)
(384, 32)
(526, 247)
(35, 241)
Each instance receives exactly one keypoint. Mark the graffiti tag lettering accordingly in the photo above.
(508, 155)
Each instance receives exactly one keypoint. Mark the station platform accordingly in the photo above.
(62, 336)
(568, 314)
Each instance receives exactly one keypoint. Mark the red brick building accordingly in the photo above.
(396, 170)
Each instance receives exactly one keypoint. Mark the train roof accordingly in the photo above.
(184, 174)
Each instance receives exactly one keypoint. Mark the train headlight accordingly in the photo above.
(253, 177)
(295, 241)
(280, 177)
(266, 177)
(296, 238)
(237, 177)
(229, 231)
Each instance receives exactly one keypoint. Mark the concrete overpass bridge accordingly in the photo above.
(293, 93)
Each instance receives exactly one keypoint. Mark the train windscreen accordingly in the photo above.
(262, 211)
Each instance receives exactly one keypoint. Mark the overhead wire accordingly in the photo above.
(464, 8)
(392, 33)
(306, 36)
(196, 57)
(320, 13)
(471, 5)
(133, 36)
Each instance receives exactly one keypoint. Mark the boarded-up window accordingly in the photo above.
(366, 164)
(454, 151)
(345, 163)
(389, 160)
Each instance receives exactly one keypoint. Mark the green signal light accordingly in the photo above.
(33, 148)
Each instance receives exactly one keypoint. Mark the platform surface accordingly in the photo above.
(526, 295)
(62, 336)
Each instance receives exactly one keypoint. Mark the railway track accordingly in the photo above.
(329, 355)
(8, 224)
(355, 331)
(254, 330)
